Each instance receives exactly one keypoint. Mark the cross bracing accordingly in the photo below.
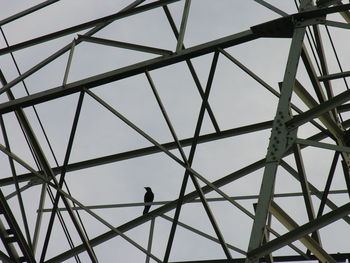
(234, 112)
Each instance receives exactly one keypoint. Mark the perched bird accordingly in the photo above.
(148, 198)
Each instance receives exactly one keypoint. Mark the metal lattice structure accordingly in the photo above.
(240, 128)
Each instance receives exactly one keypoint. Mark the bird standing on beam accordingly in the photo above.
(148, 198)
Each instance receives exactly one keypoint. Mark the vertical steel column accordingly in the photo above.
(183, 25)
(150, 239)
(280, 141)
(268, 258)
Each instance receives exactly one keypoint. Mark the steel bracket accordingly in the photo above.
(301, 22)
(282, 138)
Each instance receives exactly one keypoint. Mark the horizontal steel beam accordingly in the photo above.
(145, 151)
(86, 25)
(168, 207)
(152, 64)
(344, 108)
(334, 76)
(283, 27)
(340, 257)
(125, 72)
(146, 7)
(215, 199)
(328, 146)
(159, 211)
(337, 24)
(125, 45)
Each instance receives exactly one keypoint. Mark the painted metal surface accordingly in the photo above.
(321, 105)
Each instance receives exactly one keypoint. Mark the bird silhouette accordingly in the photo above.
(148, 198)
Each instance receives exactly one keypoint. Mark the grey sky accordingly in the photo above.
(236, 100)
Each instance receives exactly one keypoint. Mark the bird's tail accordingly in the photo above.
(146, 209)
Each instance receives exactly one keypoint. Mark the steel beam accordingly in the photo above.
(107, 19)
(300, 232)
(263, 83)
(339, 257)
(334, 76)
(46, 168)
(345, 14)
(323, 61)
(13, 169)
(313, 189)
(168, 59)
(333, 126)
(165, 115)
(189, 175)
(279, 142)
(58, 196)
(191, 67)
(305, 188)
(336, 24)
(146, 7)
(144, 151)
(27, 12)
(205, 235)
(215, 199)
(185, 13)
(125, 72)
(271, 7)
(310, 102)
(125, 45)
(312, 75)
(64, 49)
(291, 225)
(333, 147)
(330, 104)
(11, 234)
(328, 184)
(159, 211)
(69, 62)
(135, 69)
(150, 240)
(191, 196)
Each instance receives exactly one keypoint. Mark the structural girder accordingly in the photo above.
(324, 114)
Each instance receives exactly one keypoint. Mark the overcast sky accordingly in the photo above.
(236, 100)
